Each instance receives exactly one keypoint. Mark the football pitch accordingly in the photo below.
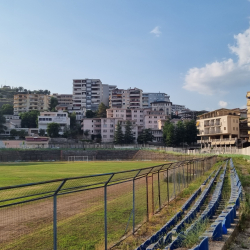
(30, 172)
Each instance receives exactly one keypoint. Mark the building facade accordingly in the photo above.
(88, 94)
(126, 98)
(219, 128)
(60, 117)
(28, 102)
(148, 98)
(106, 127)
(176, 108)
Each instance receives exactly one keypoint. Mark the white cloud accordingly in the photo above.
(156, 31)
(223, 104)
(219, 76)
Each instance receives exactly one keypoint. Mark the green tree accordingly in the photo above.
(53, 129)
(191, 131)
(145, 136)
(118, 134)
(179, 133)
(90, 114)
(41, 132)
(29, 119)
(22, 133)
(53, 104)
(169, 133)
(72, 117)
(13, 132)
(101, 112)
(7, 109)
(2, 122)
(128, 135)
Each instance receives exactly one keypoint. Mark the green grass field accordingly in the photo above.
(21, 173)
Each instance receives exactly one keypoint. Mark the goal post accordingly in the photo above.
(77, 158)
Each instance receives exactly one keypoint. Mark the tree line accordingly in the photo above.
(182, 132)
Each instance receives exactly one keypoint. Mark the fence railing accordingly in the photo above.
(90, 211)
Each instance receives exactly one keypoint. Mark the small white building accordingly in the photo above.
(59, 117)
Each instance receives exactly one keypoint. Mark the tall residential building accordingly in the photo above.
(148, 98)
(88, 94)
(126, 98)
(28, 102)
(219, 128)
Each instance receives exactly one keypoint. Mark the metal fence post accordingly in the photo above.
(55, 214)
(105, 213)
(147, 197)
(167, 187)
(153, 202)
(134, 201)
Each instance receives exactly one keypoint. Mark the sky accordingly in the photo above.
(198, 52)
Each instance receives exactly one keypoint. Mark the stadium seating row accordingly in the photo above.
(227, 216)
(178, 241)
(162, 238)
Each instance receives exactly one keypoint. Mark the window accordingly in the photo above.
(111, 136)
(236, 129)
(224, 128)
(233, 128)
(104, 136)
(155, 116)
(105, 131)
(111, 130)
(111, 125)
(135, 115)
(105, 125)
(233, 120)
(155, 121)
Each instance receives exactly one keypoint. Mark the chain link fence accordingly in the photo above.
(90, 212)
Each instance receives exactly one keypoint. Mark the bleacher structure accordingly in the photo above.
(173, 234)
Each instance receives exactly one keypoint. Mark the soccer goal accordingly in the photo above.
(78, 158)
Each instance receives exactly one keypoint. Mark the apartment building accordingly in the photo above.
(122, 98)
(148, 98)
(176, 108)
(59, 117)
(65, 99)
(218, 128)
(88, 94)
(28, 102)
(106, 127)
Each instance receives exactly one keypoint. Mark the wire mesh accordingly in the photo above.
(70, 213)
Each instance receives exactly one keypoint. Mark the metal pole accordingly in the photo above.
(55, 214)
(105, 213)
(167, 187)
(147, 196)
(134, 201)
(153, 202)
(159, 190)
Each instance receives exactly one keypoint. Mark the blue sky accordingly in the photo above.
(196, 51)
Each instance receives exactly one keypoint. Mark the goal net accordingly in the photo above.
(78, 158)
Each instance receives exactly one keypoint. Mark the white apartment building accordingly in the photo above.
(148, 98)
(88, 94)
(28, 102)
(218, 128)
(106, 127)
(122, 98)
(59, 117)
